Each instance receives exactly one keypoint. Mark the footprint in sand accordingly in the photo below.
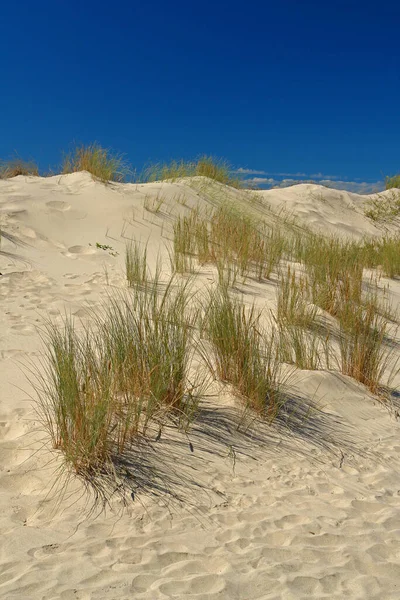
(80, 251)
(58, 205)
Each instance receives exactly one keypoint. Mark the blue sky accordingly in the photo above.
(275, 88)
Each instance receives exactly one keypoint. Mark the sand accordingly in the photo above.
(265, 513)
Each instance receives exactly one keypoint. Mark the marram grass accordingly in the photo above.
(100, 162)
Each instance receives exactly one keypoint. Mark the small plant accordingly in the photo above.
(99, 162)
(17, 166)
(106, 248)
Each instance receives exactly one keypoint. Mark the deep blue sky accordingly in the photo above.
(292, 86)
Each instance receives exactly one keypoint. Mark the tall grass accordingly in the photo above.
(136, 264)
(294, 300)
(363, 353)
(100, 162)
(335, 273)
(148, 338)
(242, 353)
(76, 400)
(206, 166)
(299, 339)
(335, 269)
(231, 239)
(184, 242)
(384, 253)
(303, 348)
(102, 387)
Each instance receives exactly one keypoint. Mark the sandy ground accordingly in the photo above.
(281, 512)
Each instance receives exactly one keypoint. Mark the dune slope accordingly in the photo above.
(267, 512)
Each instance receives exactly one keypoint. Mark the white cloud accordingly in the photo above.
(243, 171)
(289, 174)
(250, 172)
(268, 181)
(322, 176)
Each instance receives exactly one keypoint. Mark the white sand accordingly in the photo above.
(312, 512)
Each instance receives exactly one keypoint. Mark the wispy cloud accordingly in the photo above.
(322, 176)
(268, 181)
(242, 171)
(286, 179)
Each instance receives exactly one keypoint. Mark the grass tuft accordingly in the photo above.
(384, 208)
(17, 166)
(102, 387)
(242, 354)
(205, 166)
(99, 162)
(392, 182)
(362, 342)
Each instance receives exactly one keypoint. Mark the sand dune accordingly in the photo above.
(310, 511)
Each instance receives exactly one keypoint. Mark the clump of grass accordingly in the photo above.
(335, 270)
(201, 235)
(17, 166)
(274, 251)
(294, 300)
(148, 338)
(100, 162)
(392, 182)
(302, 348)
(206, 166)
(299, 340)
(76, 400)
(136, 264)
(236, 236)
(231, 239)
(385, 254)
(101, 388)
(184, 242)
(384, 208)
(216, 169)
(242, 354)
(362, 342)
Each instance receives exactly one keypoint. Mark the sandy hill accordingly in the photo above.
(268, 512)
